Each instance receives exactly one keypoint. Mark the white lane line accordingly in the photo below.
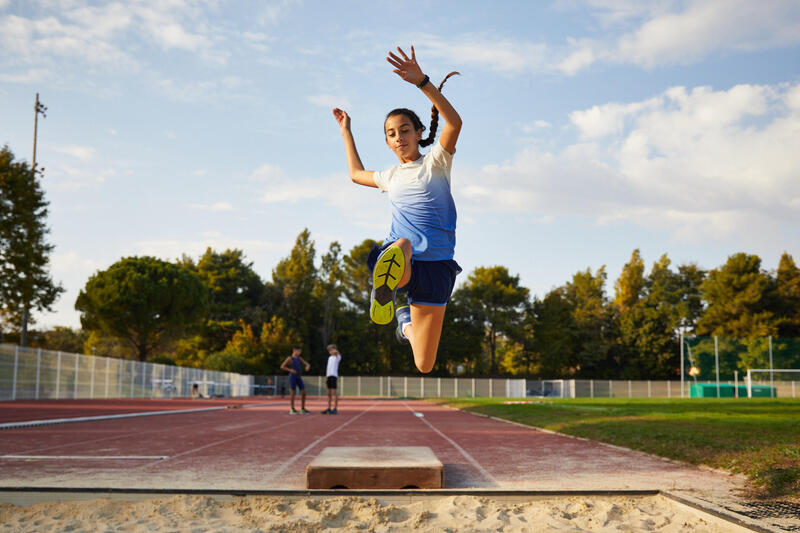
(461, 450)
(32, 423)
(217, 443)
(302, 452)
(81, 457)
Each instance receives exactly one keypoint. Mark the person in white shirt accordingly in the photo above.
(331, 379)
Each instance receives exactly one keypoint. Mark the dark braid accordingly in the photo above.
(435, 116)
(415, 120)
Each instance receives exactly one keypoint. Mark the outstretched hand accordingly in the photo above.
(342, 118)
(405, 67)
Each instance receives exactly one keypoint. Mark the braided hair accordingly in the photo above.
(415, 120)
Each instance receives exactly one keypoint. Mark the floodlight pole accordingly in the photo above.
(38, 107)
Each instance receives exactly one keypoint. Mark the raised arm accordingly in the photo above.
(354, 164)
(408, 69)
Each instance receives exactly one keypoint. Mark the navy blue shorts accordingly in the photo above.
(296, 382)
(431, 282)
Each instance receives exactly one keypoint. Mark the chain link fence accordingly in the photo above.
(36, 374)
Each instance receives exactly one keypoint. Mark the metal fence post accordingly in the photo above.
(682, 371)
(405, 387)
(439, 387)
(716, 360)
(14, 380)
(649, 390)
(422, 387)
(591, 388)
(455, 384)
(75, 394)
(630, 390)
(473, 387)
(58, 376)
(610, 389)
(108, 364)
(38, 370)
(91, 381)
(771, 382)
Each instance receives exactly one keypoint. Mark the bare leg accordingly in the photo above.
(292, 397)
(405, 245)
(303, 399)
(335, 399)
(424, 334)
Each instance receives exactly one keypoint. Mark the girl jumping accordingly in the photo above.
(417, 256)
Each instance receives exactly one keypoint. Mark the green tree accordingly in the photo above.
(463, 335)
(236, 292)
(144, 301)
(62, 339)
(596, 326)
(295, 277)
(328, 291)
(629, 287)
(25, 283)
(788, 287)
(648, 325)
(740, 300)
(555, 335)
(690, 305)
(498, 301)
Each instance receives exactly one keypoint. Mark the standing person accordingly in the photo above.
(294, 365)
(417, 255)
(332, 378)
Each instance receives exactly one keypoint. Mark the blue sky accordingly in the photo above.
(591, 127)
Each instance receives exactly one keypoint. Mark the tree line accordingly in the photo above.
(216, 312)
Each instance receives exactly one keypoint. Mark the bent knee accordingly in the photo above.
(425, 364)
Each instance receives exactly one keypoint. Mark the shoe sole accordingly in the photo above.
(386, 276)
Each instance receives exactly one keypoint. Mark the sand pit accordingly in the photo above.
(271, 514)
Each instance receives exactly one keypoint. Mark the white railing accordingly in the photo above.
(36, 374)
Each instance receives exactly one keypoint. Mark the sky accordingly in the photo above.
(590, 128)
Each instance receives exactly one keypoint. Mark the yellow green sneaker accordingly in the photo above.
(386, 276)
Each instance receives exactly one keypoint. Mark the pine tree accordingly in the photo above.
(788, 279)
(25, 283)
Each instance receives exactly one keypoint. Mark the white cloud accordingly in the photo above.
(679, 33)
(218, 206)
(83, 153)
(486, 51)
(72, 271)
(110, 34)
(170, 249)
(329, 101)
(267, 173)
(32, 75)
(698, 163)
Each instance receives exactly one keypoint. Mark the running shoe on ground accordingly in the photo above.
(304, 412)
(386, 276)
(335, 412)
(326, 412)
(292, 411)
(403, 315)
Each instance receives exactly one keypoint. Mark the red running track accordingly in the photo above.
(259, 446)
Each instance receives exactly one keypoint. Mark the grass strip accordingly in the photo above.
(757, 437)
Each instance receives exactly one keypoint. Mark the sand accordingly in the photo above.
(441, 514)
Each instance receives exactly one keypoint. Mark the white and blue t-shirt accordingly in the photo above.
(423, 210)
